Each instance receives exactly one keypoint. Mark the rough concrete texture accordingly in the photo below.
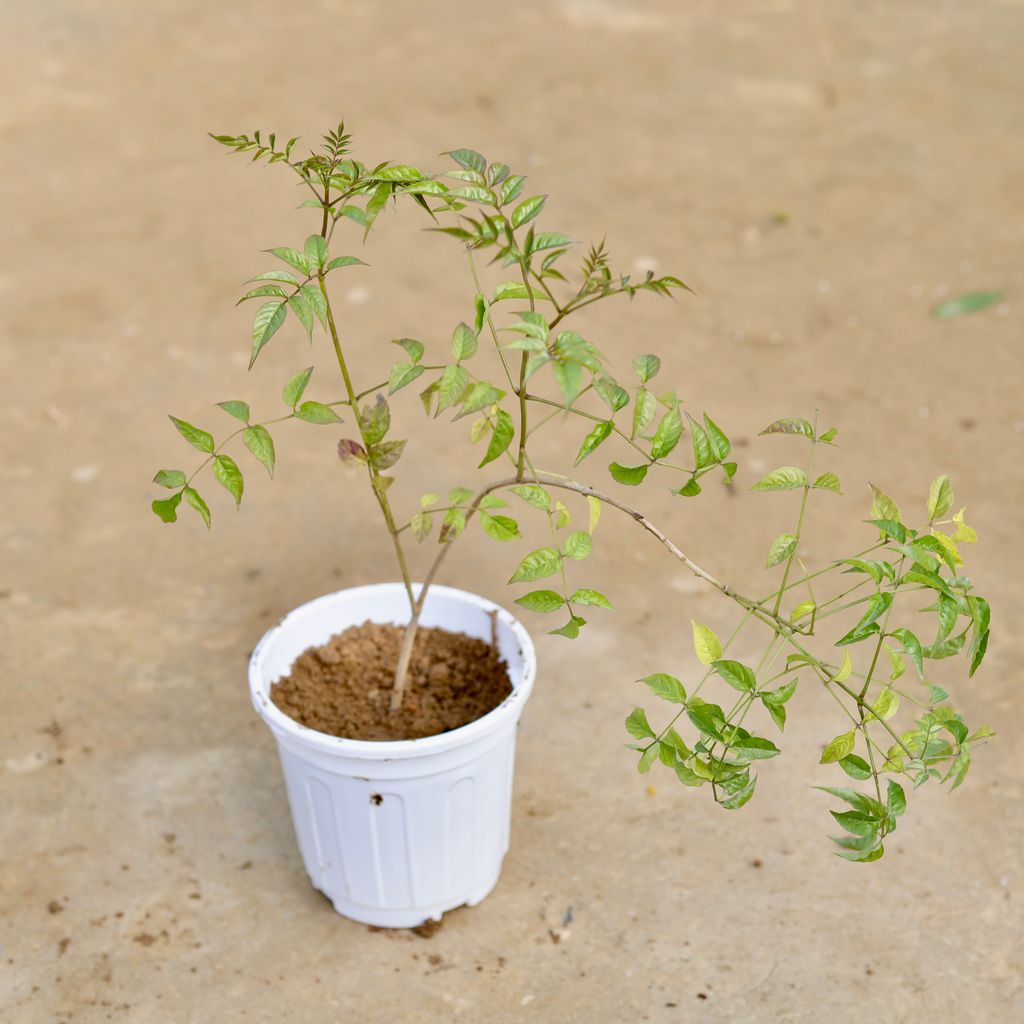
(821, 173)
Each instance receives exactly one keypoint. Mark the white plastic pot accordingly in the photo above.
(397, 832)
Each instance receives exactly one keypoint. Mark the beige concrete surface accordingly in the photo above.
(821, 173)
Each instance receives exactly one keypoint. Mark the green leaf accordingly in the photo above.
(516, 290)
(638, 726)
(666, 437)
(386, 454)
(193, 497)
(501, 438)
(227, 473)
(737, 675)
(317, 412)
(268, 319)
(300, 306)
(840, 747)
(541, 601)
(422, 523)
(451, 387)
(593, 513)
(292, 258)
(828, 482)
(846, 669)
(596, 437)
(646, 367)
(782, 547)
(550, 240)
(969, 303)
(344, 261)
(375, 420)
(612, 394)
(533, 495)
(412, 347)
(665, 686)
(856, 767)
(578, 545)
(690, 489)
(479, 396)
(703, 453)
(586, 596)
(786, 478)
(643, 411)
(240, 410)
(537, 565)
(706, 644)
(790, 425)
(282, 276)
(742, 796)
(464, 342)
(630, 476)
(499, 527)
(756, 748)
(571, 629)
(197, 438)
(527, 210)
(940, 498)
(512, 187)
(570, 379)
(720, 444)
(294, 389)
(886, 704)
(896, 799)
(883, 507)
(312, 294)
(315, 251)
(401, 375)
(170, 478)
(167, 508)
(258, 440)
(650, 755)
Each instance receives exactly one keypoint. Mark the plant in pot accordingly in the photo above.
(395, 705)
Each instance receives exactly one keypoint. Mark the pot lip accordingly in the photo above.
(287, 728)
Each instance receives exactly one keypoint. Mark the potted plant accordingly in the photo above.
(395, 706)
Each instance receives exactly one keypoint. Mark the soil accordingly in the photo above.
(344, 687)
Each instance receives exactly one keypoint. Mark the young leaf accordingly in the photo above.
(401, 375)
(839, 748)
(170, 478)
(501, 438)
(193, 497)
(665, 686)
(586, 596)
(317, 412)
(268, 319)
(782, 547)
(352, 452)
(527, 210)
(499, 527)
(197, 438)
(886, 704)
(790, 426)
(630, 476)
(706, 645)
(940, 498)
(578, 545)
(593, 513)
(537, 565)
(227, 473)
(638, 726)
(464, 342)
(646, 367)
(596, 437)
(845, 669)
(666, 437)
(293, 390)
(969, 303)
(167, 508)
(413, 348)
(737, 675)
(571, 629)
(258, 440)
(786, 478)
(240, 410)
(828, 482)
(541, 601)
(883, 507)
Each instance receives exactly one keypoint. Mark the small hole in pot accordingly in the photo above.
(376, 799)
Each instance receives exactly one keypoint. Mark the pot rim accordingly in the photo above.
(286, 727)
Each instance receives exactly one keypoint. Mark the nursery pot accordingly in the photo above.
(396, 832)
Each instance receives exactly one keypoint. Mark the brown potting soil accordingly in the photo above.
(344, 686)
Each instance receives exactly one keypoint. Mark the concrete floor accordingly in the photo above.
(820, 173)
